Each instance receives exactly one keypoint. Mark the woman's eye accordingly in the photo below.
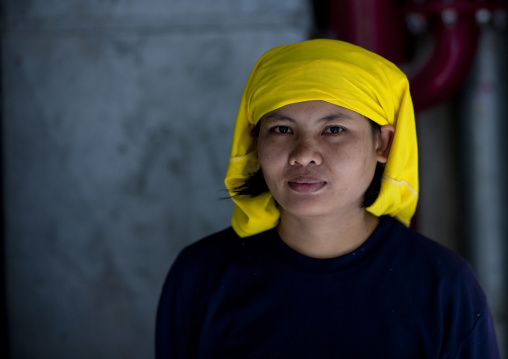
(333, 130)
(281, 129)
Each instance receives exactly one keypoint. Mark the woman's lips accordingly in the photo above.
(306, 184)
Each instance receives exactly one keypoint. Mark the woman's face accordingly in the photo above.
(318, 159)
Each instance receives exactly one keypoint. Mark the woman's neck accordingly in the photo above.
(326, 237)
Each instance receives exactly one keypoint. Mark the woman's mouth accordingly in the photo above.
(306, 184)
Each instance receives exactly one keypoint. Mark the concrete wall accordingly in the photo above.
(117, 124)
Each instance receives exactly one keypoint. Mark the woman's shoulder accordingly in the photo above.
(224, 237)
(421, 253)
(217, 244)
(224, 246)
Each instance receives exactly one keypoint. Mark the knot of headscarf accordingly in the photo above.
(342, 74)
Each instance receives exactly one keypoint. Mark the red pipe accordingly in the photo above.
(452, 56)
(378, 25)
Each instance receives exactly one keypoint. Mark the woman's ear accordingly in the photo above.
(254, 135)
(254, 129)
(384, 142)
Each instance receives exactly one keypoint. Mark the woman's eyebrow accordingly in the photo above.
(273, 117)
(335, 116)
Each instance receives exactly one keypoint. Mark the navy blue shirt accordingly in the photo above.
(399, 295)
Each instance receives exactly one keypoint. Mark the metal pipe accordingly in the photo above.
(455, 42)
(483, 109)
(377, 25)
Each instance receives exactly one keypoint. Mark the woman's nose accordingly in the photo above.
(305, 152)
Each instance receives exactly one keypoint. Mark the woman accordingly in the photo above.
(319, 262)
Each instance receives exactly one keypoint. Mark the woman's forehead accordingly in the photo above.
(316, 109)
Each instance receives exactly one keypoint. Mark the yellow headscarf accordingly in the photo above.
(342, 74)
